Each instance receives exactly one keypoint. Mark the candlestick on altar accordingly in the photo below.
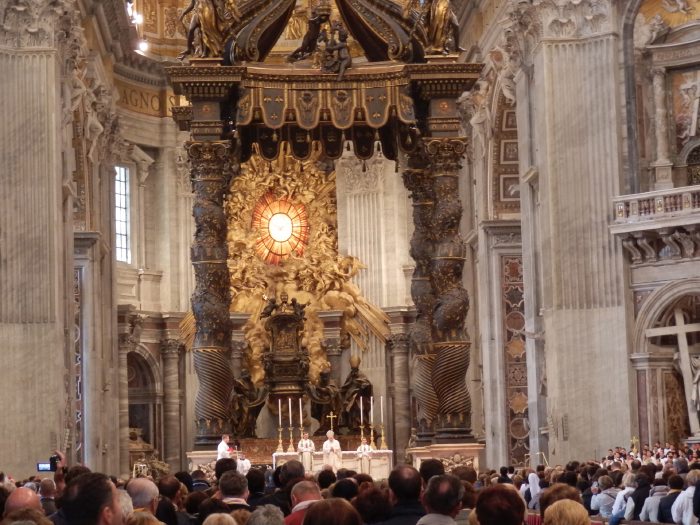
(291, 440)
(362, 433)
(290, 411)
(381, 410)
(382, 443)
(301, 415)
(371, 410)
(371, 437)
(279, 412)
(280, 446)
(362, 416)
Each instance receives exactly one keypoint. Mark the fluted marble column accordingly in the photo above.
(418, 182)
(170, 351)
(212, 164)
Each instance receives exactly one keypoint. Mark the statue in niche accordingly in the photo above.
(325, 398)
(356, 385)
(247, 402)
(443, 27)
(311, 37)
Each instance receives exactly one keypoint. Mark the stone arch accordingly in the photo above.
(687, 150)
(656, 304)
(145, 402)
(152, 366)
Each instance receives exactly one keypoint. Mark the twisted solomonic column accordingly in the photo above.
(212, 165)
(418, 182)
(450, 341)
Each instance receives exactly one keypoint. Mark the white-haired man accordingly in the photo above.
(332, 454)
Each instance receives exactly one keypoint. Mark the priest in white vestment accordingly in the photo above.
(306, 449)
(364, 456)
(332, 455)
(243, 464)
(223, 450)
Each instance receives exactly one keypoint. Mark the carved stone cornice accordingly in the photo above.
(661, 245)
(533, 21)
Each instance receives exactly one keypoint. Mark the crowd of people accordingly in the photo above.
(658, 484)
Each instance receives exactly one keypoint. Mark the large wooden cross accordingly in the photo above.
(331, 416)
(681, 331)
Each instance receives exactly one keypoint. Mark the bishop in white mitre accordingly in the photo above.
(306, 449)
(331, 452)
(364, 456)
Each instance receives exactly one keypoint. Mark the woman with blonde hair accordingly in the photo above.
(566, 512)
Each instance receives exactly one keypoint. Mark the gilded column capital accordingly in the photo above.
(210, 159)
(445, 154)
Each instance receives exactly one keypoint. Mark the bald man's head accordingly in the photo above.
(144, 494)
(305, 491)
(22, 498)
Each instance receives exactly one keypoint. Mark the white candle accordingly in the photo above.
(279, 411)
(381, 408)
(371, 410)
(290, 410)
(301, 415)
(361, 414)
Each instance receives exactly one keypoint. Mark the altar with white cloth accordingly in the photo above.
(380, 465)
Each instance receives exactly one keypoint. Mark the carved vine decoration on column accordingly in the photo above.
(212, 168)
(417, 181)
(450, 341)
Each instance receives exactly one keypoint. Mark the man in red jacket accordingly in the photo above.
(304, 494)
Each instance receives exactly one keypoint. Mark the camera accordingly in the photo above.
(43, 467)
(53, 463)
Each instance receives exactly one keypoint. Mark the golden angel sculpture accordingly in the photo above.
(443, 27)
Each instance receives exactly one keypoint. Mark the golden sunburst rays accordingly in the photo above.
(281, 226)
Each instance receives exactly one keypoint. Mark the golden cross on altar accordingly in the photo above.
(331, 416)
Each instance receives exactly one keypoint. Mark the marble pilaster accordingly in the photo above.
(574, 147)
(125, 346)
(36, 275)
(663, 179)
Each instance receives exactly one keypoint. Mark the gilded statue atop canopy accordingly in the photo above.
(212, 20)
(443, 27)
